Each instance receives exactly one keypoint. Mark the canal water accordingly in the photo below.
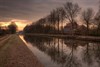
(63, 52)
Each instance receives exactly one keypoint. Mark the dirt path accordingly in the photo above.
(4, 37)
(14, 53)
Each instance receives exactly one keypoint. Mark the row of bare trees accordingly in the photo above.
(71, 12)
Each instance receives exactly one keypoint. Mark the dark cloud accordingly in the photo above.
(34, 9)
(20, 9)
(88, 3)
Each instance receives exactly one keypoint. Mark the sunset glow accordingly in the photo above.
(28, 11)
(20, 25)
(49, 33)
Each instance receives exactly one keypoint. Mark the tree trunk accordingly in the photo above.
(58, 27)
(87, 28)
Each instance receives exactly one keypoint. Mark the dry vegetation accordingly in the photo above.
(14, 53)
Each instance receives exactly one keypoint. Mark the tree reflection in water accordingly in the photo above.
(68, 53)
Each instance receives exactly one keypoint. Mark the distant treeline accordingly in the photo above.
(72, 15)
(10, 29)
(38, 28)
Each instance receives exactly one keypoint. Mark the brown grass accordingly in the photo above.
(14, 53)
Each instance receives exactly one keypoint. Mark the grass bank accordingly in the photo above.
(76, 37)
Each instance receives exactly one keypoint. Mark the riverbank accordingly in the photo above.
(14, 53)
(75, 37)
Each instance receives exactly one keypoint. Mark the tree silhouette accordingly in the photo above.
(52, 18)
(97, 19)
(87, 16)
(12, 27)
(72, 10)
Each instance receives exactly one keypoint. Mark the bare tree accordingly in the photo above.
(97, 19)
(87, 16)
(62, 17)
(52, 18)
(72, 10)
(57, 16)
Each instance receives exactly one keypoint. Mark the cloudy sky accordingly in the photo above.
(26, 11)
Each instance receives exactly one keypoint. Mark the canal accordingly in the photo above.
(63, 52)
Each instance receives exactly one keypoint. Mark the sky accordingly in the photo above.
(24, 12)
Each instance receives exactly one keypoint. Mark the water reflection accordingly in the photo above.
(67, 53)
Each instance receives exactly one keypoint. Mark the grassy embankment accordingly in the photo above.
(76, 37)
(14, 53)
